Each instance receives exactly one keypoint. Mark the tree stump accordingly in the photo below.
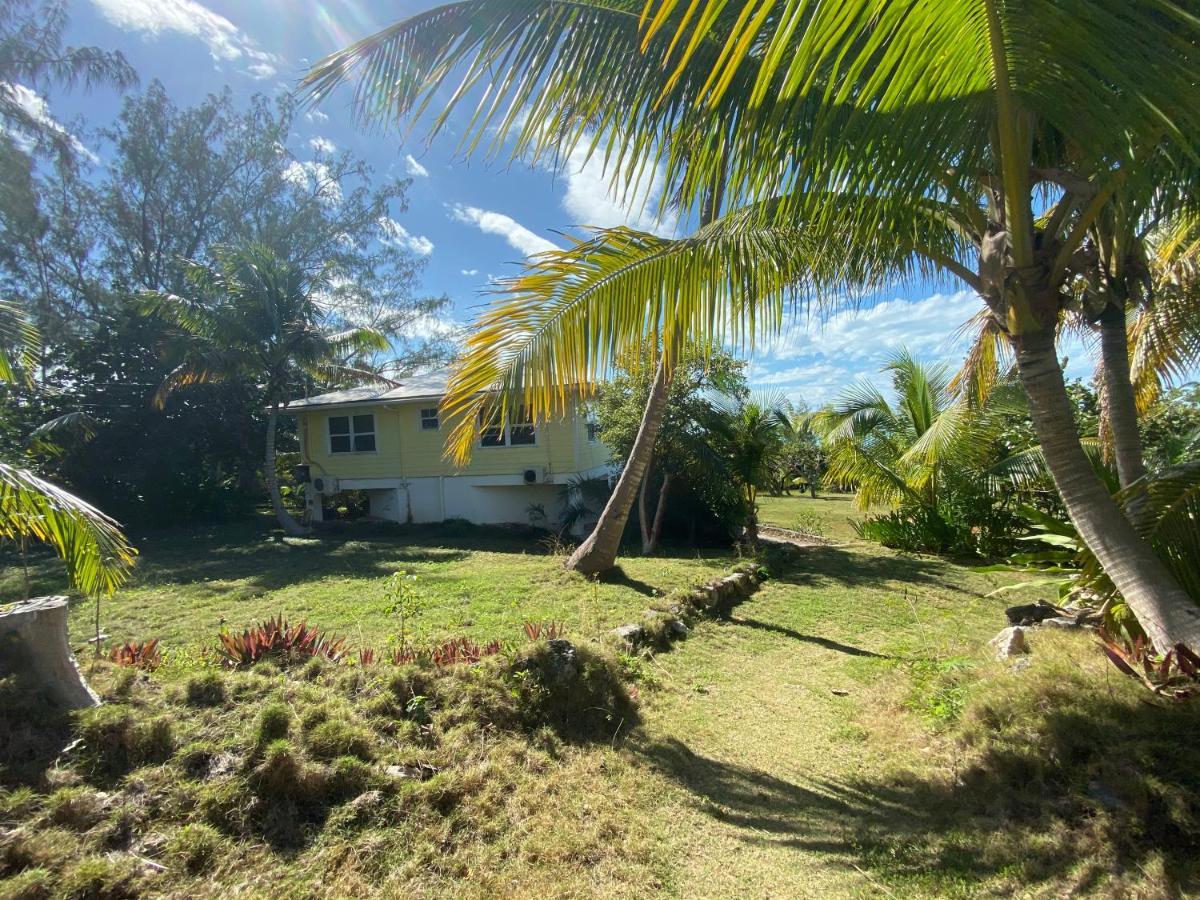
(40, 626)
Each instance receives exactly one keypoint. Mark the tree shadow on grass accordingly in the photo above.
(827, 643)
(809, 566)
(1093, 795)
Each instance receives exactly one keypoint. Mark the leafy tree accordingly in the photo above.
(681, 456)
(32, 54)
(1171, 429)
(255, 318)
(854, 143)
(801, 459)
(77, 248)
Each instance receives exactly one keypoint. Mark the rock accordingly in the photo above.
(676, 628)
(631, 635)
(839, 692)
(420, 772)
(1010, 642)
(368, 801)
(1060, 622)
(1031, 613)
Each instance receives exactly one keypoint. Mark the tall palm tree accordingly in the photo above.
(254, 316)
(856, 141)
(747, 433)
(97, 555)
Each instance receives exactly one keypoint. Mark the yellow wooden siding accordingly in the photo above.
(405, 450)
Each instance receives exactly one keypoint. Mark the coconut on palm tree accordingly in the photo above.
(254, 316)
(854, 143)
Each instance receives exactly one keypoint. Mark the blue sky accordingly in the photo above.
(470, 219)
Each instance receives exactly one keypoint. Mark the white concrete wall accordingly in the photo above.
(482, 499)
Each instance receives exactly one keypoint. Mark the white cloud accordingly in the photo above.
(518, 236)
(323, 145)
(316, 116)
(35, 107)
(414, 168)
(225, 41)
(593, 199)
(398, 235)
(824, 357)
(470, 271)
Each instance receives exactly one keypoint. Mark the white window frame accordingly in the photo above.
(353, 433)
(506, 435)
(422, 418)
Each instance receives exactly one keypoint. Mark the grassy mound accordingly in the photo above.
(316, 773)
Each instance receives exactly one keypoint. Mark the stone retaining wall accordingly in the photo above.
(670, 619)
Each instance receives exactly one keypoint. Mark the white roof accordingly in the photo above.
(418, 387)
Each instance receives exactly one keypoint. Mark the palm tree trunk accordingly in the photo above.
(643, 512)
(599, 552)
(659, 511)
(289, 525)
(1119, 406)
(1164, 610)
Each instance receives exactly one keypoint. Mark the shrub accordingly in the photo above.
(205, 689)
(461, 650)
(195, 847)
(276, 639)
(549, 631)
(137, 655)
(576, 690)
(118, 738)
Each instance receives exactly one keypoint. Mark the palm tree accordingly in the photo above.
(747, 433)
(855, 142)
(255, 317)
(907, 452)
(97, 555)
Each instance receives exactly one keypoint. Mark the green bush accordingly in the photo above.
(578, 691)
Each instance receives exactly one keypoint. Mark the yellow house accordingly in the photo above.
(389, 443)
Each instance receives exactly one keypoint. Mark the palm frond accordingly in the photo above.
(97, 555)
(19, 341)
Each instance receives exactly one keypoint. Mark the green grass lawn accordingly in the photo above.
(829, 515)
(844, 732)
(481, 583)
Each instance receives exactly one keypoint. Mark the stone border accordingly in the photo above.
(668, 621)
(41, 627)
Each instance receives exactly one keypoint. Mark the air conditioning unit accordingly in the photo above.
(531, 476)
(323, 484)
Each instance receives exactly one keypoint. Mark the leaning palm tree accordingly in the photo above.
(255, 317)
(97, 555)
(856, 142)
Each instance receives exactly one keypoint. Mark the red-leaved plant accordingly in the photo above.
(275, 638)
(461, 650)
(1174, 674)
(549, 631)
(137, 655)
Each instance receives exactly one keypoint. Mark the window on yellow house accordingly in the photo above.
(352, 434)
(519, 432)
(429, 419)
